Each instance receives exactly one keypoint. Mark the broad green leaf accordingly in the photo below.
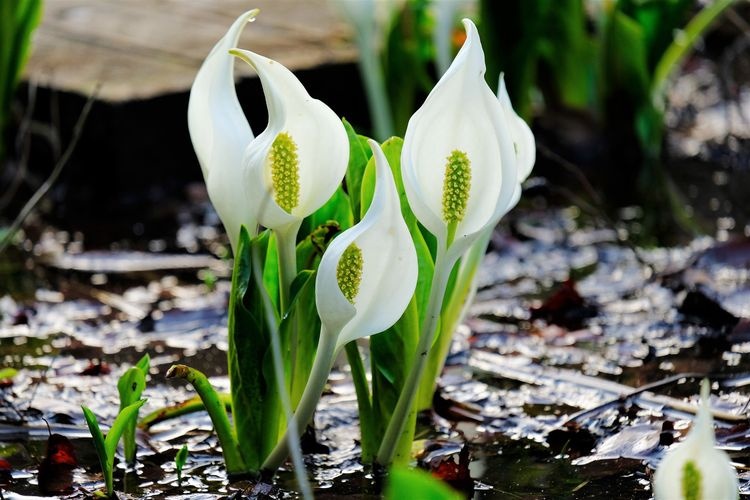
(6, 373)
(256, 405)
(359, 154)
(409, 484)
(300, 330)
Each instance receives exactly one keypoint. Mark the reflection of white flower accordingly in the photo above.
(220, 132)
(295, 165)
(368, 273)
(694, 469)
(458, 162)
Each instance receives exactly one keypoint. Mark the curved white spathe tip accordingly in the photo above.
(523, 138)
(460, 114)
(322, 146)
(389, 266)
(696, 465)
(220, 132)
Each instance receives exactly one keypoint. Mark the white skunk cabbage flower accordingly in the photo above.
(458, 162)
(368, 274)
(694, 469)
(220, 132)
(524, 144)
(365, 281)
(295, 165)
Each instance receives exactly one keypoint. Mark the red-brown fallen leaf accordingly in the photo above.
(445, 467)
(96, 368)
(5, 466)
(56, 470)
(5, 383)
(565, 307)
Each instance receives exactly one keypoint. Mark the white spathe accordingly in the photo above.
(220, 132)
(389, 269)
(523, 141)
(717, 479)
(320, 137)
(461, 113)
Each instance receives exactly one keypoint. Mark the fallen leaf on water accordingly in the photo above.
(56, 470)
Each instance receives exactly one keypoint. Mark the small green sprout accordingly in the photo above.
(179, 461)
(107, 446)
(130, 386)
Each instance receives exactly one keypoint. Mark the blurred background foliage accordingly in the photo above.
(18, 19)
(603, 63)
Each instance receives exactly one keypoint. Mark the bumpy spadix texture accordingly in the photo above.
(456, 186)
(285, 172)
(462, 120)
(368, 273)
(349, 272)
(295, 165)
(220, 133)
(694, 469)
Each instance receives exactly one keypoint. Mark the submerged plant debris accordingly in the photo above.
(577, 366)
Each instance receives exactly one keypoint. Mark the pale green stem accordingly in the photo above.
(372, 77)
(406, 399)
(216, 410)
(309, 400)
(286, 246)
(291, 437)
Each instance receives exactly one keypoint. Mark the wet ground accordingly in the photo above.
(539, 399)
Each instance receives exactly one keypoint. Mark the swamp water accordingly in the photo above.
(534, 403)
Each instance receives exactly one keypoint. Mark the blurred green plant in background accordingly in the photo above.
(18, 19)
(609, 59)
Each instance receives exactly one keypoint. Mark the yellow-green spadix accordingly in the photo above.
(368, 274)
(295, 165)
(220, 132)
(694, 469)
(461, 125)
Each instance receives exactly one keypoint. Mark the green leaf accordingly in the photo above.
(256, 406)
(359, 154)
(300, 330)
(130, 386)
(144, 363)
(676, 51)
(625, 59)
(179, 461)
(126, 415)
(6, 373)
(107, 446)
(407, 484)
(99, 446)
